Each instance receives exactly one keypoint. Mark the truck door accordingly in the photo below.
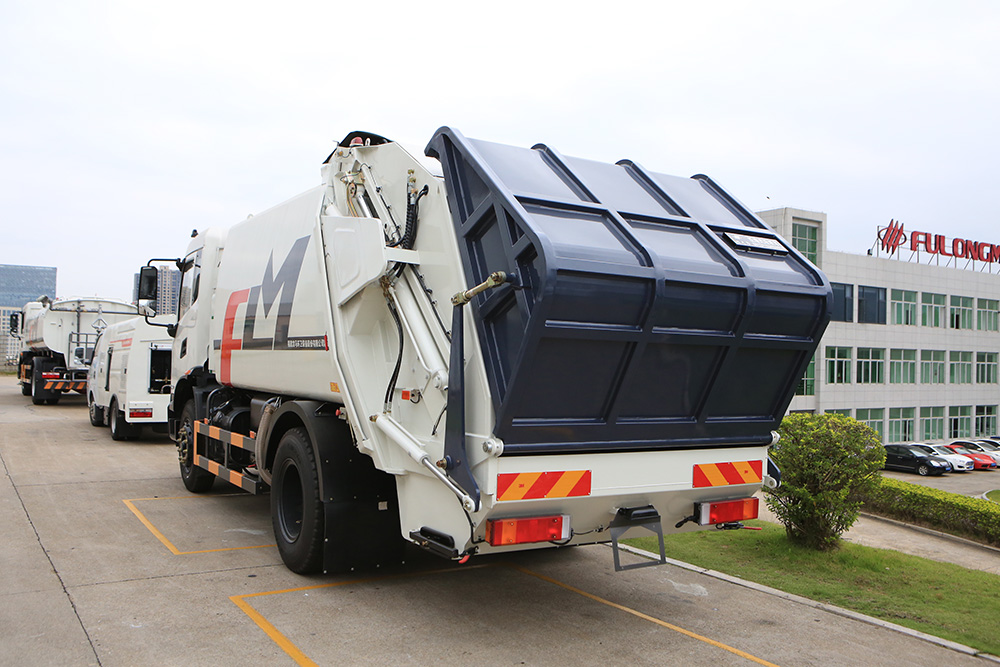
(185, 351)
(107, 370)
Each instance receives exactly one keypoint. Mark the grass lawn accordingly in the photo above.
(940, 599)
(994, 496)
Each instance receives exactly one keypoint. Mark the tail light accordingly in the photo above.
(50, 376)
(142, 413)
(525, 530)
(727, 511)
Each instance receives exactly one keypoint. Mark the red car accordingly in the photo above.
(980, 461)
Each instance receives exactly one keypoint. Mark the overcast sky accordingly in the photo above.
(125, 125)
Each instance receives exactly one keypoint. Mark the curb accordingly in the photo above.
(935, 533)
(839, 611)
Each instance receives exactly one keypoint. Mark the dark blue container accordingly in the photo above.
(656, 312)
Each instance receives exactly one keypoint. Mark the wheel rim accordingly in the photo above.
(290, 503)
(184, 446)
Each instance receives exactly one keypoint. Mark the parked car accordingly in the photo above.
(958, 462)
(987, 447)
(982, 461)
(908, 457)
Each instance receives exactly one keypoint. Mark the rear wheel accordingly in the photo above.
(196, 480)
(296, 508)
(96, 412)
(116, 419)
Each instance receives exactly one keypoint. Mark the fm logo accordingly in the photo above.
(264, 296)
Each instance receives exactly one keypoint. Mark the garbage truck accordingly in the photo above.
(128, 384)
(488, 348)
(57, 342)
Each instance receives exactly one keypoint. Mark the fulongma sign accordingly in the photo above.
(893, 237)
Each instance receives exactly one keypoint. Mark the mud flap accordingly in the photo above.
(361, 535)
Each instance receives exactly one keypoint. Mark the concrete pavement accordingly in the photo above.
(106, 560)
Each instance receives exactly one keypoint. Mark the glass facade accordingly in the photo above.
(21, 284)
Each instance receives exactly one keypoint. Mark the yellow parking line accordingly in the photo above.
(302, 659)
(130, 503)
(646, 617)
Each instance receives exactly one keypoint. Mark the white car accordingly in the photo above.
(987, 447)
(958, 462)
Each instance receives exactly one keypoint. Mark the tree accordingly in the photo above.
(826, 462)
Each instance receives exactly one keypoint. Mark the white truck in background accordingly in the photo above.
(488, 349)
(57, 342)
(128, 385)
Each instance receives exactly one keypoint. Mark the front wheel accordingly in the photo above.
(37, 388)
(196, 480)
(923, 470)
(296, 508)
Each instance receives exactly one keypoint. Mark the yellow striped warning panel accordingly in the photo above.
(725, 474)
(534, 485)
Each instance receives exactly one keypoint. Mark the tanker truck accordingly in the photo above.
(57, 342)
(488, 348)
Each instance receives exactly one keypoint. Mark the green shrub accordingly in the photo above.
(827, 462)
(949, 512)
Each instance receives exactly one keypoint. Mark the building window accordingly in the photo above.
(871, 365)
(902, 366)
(960, 315)
(843, 302)
(872, 417)
(804, 238)
(807, 385)
(932, 423)
(988, 314)
(838, 365)
(904, 306)
(932, 309)
(871, 305)
(901, 424)
(960, 367)
(960, 421)
(986, 367)
(986, 421)
(932, 366)
(846, 412)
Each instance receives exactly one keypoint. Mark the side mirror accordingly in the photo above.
(148, 276)
(172, 330)
(15, 324)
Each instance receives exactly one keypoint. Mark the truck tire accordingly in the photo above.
(196, 480)
(36, 386)
(296, 508)
(116, 420)
(96, 412)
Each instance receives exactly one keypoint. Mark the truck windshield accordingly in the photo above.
(190, 280)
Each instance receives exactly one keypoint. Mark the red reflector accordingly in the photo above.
(500, 532)
(140, 414)
(727, 511)
(50, 376)
(405, 395)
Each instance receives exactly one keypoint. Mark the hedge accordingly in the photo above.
(975, 518)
